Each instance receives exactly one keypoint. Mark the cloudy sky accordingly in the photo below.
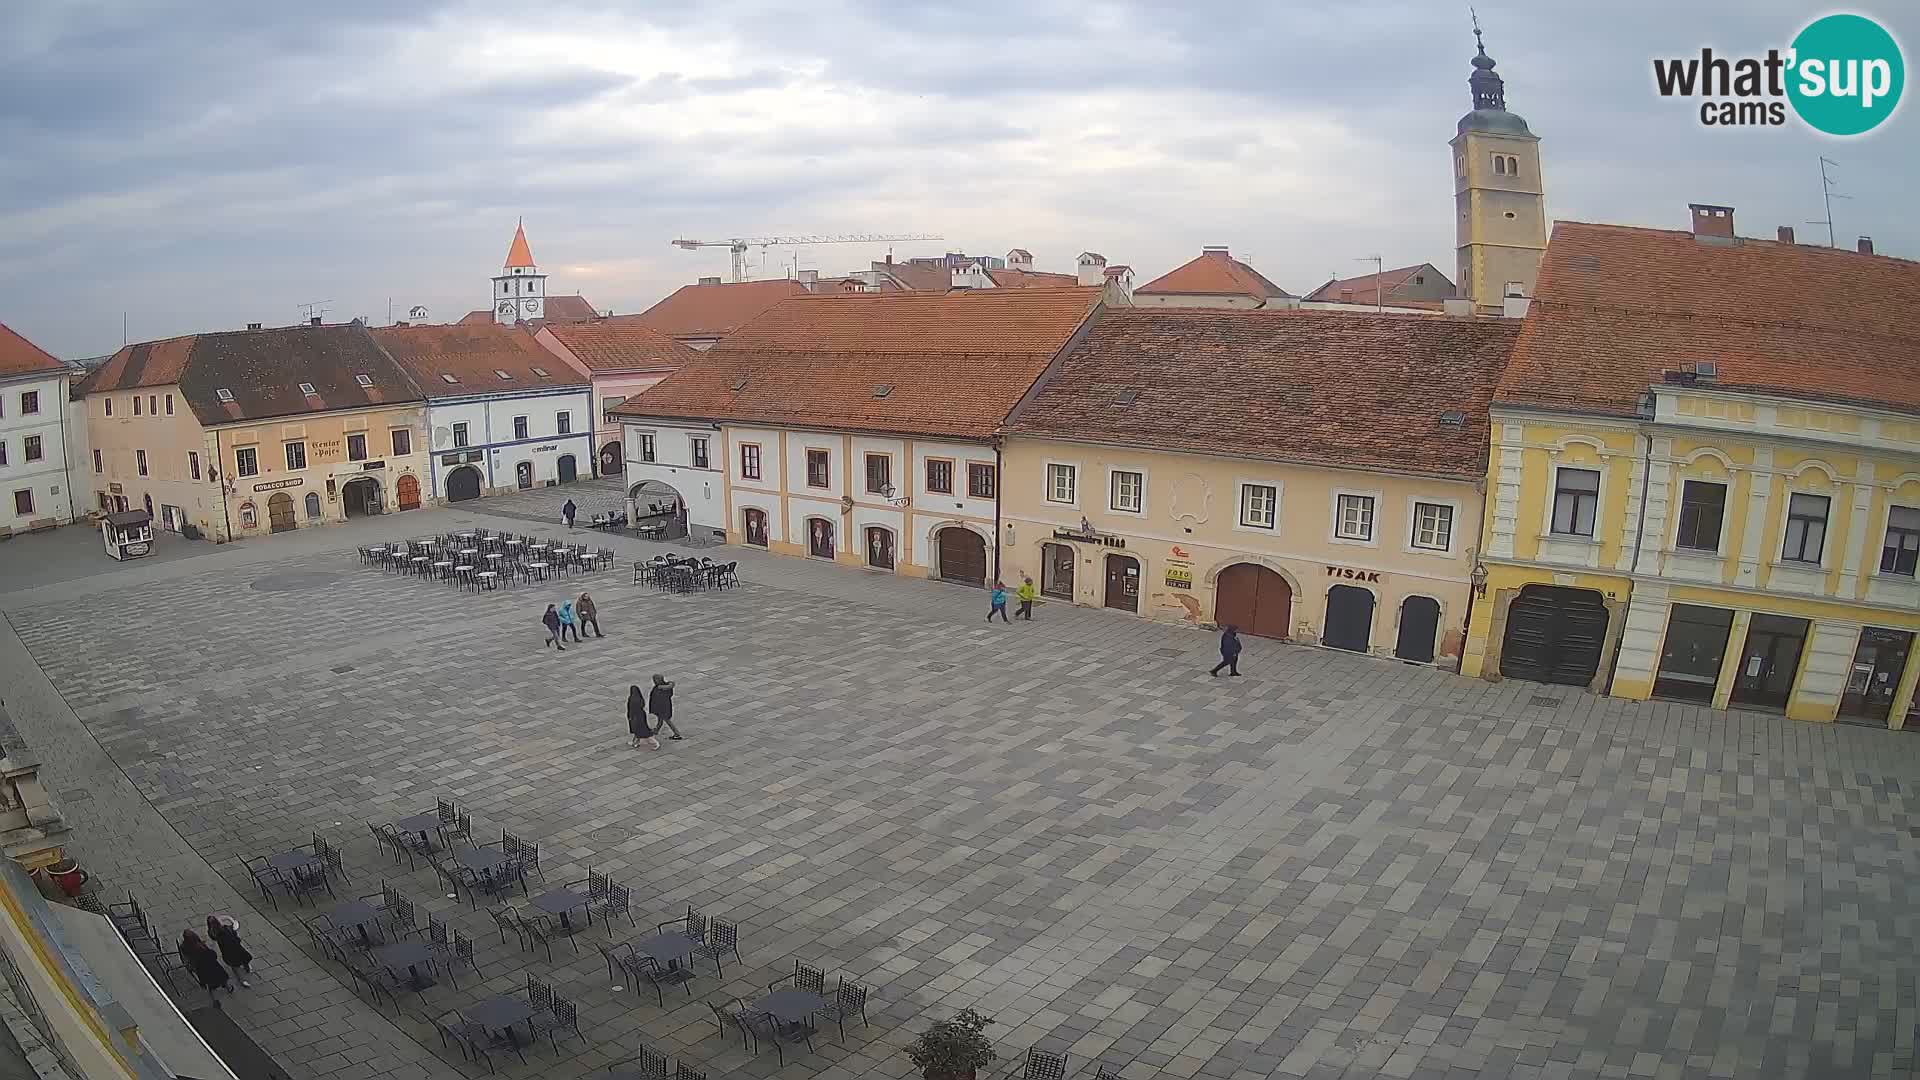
(202, 165)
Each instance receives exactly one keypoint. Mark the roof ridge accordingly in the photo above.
(1719, 319)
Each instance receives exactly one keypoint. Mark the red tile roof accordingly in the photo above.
(1616, 306)
(475, 318)
(1363, 288)
(952, 363)
(1332, 388)
(18, 356)
(621, 343)
(1214, 273)
(475, 355)
(566, 309)
(1028, 279)
(714, 311)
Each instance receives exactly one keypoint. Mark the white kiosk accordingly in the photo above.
(128, 534)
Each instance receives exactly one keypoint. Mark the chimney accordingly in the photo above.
(253, 326)
(1712, 223)
(1866, 245)
(315, 321)
(709, 281)
(1786, 234)
(1093, 268)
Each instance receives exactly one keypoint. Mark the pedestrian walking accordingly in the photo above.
(227, 936)
(552, 621)
(1027, 595)
(1229, 653)
(567, 623)
(567, 512)
(587, 613)
(637, 721)
(205, 965)
(999, 600)
(660, 703)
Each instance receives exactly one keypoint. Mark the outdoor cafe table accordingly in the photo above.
(426, 824)
(670, 949)
(289, 861)
(561, 901)
(539, 569)
(354, 915)
(469, 551)
(792, 1006)
(409, 955)
(501, 1013)
(483, 860)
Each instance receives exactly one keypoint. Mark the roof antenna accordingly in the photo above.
(1827, 195)
(1379, 302)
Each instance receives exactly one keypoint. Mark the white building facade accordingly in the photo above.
(34, 437)
(510, 441)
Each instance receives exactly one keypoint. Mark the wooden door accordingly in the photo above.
(1349, 619)
(1123, 582)
(463, 483)
(280, 512)
(1255, 599)
(879, 548)
(756, 527)
(407, 489)
(1554, 635)
(963, 556)
(1419, 624)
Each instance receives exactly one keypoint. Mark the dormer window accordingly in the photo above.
(224, 394)
(363, 380)
(444, 377)
(502, 374)
(307, 389)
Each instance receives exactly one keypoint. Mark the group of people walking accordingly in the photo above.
(570, 617)
(998, 598)
(209, 967)
(659, 702)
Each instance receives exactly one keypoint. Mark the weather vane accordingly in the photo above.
(1475, 16)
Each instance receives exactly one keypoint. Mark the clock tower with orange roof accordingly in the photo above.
(520, 289)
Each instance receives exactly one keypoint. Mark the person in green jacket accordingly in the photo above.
(1027, 594)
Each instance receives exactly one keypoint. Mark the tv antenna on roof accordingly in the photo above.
(1827, 195)
(314, 310)
(1379, 302)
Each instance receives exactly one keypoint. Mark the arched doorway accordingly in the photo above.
(523, 475)
(463, 483)
(820, 538)
(361, 497)
(1056, 571)
(1419, 627)
(657, 505)
(280, 512)
(313, 506)
(569, 470)
(1554, 635)
(963, 555)
(756, 526)
(1254, 598)
(879, 547)
(407, 490)
(1123, 582)
(610, 459)
(1349, 619)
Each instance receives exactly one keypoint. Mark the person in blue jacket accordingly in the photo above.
(1229, 652)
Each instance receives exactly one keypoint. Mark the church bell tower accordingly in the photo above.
(520, 289)
(1499, 195)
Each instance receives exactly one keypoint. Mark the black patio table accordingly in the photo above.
(354, 915)
(793, 1006)
(409, 955)
(289, 861)
(670, 949)
(501, 1013)
(483, 860)
(425, 824)
(561, 901)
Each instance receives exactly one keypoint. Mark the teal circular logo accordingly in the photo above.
(1847, 75)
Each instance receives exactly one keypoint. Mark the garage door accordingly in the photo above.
(1554, 635)
(1253, 598)
(963, 557)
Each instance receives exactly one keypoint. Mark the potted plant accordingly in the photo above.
(953, 1049)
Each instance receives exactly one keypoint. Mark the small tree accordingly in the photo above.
(953, 1048)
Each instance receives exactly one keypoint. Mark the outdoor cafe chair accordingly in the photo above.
(850, 999)
(650, 1065)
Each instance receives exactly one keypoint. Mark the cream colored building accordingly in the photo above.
(1308, 476)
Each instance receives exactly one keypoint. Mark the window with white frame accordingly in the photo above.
(1353, 517)
(649, 448)
(1900, 553)
(1127, 491)
(357, 447)
(1576, 501)
(1060, 483)
(459, 435)
(1432, 526)
(1806, 528)
(749, 461)
(296, 455)
(698, 445)
(246, 462)
(1259, 506)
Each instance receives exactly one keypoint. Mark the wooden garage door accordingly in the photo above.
(1253, 598)
(963, 557)
(1554, 635)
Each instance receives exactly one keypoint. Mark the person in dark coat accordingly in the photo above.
(660, 703)
(1229, 653)
(586, 612)
(568, 511)
(637, 720)
(205, 965)
(552, 621)
(231, 950)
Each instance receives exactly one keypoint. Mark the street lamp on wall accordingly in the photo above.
(1479, 579)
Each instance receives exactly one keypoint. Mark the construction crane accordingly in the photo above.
(738, 245)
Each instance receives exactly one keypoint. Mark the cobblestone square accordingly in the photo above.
(1334, 867)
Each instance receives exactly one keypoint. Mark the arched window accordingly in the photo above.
(1500, 164)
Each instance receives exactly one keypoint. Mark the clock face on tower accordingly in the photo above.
(506, 307)
(531, 305)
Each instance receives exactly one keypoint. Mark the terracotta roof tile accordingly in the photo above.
(148, 363)
(954, 362)
(1363, 288)
(1617, 306)
(474, 355)
(1330, 388)
(703, 311)
(920, 278)
(621, 343)
(1029, 279)
(18, 356)
(567, 309)
(1214, 273)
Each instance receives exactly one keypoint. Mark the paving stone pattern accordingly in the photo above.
(1332, 867)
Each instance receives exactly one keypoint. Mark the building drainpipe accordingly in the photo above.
(998, 482)
(1639, 537)
(66, 452)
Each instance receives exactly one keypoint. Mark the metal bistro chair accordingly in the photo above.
(621, 959)
(763, 1025)
(850, 999)
(306, 882)
(653, 972)
(459, 828)
(722, 937)
(265, 878)
(733, 1015)
(1044, 1065)
(504, 921)
(684, 1071)
(650, 1065)
(540, 930)
(804, 977)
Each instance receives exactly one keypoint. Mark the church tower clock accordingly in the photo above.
(1499, 195)
(520, 289)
